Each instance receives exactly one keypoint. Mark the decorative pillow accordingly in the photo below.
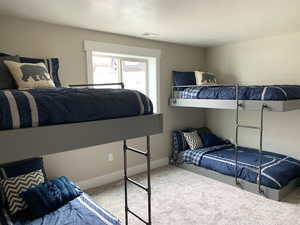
(18, 168)
(3, 54)
(30, 75)
(205, 78)
(6, 79)
(14, 186)
(209, 139)
(49, 196)
(193, 139)
(184, 78)
(52, 65)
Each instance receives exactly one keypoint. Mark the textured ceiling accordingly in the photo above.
(193, 22)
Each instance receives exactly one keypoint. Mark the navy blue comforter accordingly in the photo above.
(80, 211)
(277, 170)
(39, 107)
(274, 92)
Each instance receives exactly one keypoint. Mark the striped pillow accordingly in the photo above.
(14, 186)
(193, 139)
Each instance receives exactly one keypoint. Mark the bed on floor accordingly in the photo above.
(280, 173)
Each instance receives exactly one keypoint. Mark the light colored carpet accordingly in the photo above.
(180, 197)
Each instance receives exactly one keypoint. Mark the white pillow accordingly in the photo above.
(205, 78)
(30, 75)
(193, 139)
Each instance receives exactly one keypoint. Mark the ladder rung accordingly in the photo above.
(250, 127)
(145, 222)
(137, 184)
(137, 151)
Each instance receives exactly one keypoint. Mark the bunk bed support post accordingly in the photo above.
(125, 181)
(149, 178)
(263, 107)
(236, 131)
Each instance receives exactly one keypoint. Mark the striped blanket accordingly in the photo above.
(39, 107)
(277, 169)
(273, 92)
(80, 211)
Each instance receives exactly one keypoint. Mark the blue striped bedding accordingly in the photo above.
(80, 211)
(272, 92)
(277, 170)
(40, 107)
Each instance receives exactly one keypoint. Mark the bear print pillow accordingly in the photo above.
(30, 75)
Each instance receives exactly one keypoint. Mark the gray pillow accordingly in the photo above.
(6, 79)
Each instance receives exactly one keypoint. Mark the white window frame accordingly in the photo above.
(152, 56)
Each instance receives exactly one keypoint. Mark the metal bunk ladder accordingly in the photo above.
(258, 128)
(127, 179)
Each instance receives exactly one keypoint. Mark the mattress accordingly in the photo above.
(274, 92)
(277, 169)
(40, 107)
(80, 211)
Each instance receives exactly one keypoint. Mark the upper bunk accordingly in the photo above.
(38, 122)
(277, 98)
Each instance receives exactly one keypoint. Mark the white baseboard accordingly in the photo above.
(118, 175)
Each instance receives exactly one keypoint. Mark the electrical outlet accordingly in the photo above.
(110, 157)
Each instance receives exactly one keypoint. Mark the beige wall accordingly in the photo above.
(274, 60)
(36, 39)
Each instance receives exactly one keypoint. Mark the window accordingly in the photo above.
(138, 68)
(133, 72)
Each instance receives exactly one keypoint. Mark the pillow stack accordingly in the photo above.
(197, 140)
(17, 177)
(27, 73)
(25, 189)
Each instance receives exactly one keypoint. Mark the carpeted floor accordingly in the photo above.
(180, 197)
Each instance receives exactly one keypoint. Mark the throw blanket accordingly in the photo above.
(275, 92)
(277, 170)
(80, 211)
(39, 107)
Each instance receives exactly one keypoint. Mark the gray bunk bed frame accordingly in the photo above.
(18, 144)
(238, 105)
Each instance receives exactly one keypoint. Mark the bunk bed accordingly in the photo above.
(23, 138)
(274, 98)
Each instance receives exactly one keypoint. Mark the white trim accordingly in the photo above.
(121, 50)
(150, 54)
(118, 175)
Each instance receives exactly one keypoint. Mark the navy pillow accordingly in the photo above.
(52, 65)
(49, 196)
(18, 168)
(209, 139)
(184, 78)
(3, 54)
(6, 79)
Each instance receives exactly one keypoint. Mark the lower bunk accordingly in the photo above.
(80, 211)
(280, 174)
(28, 197)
